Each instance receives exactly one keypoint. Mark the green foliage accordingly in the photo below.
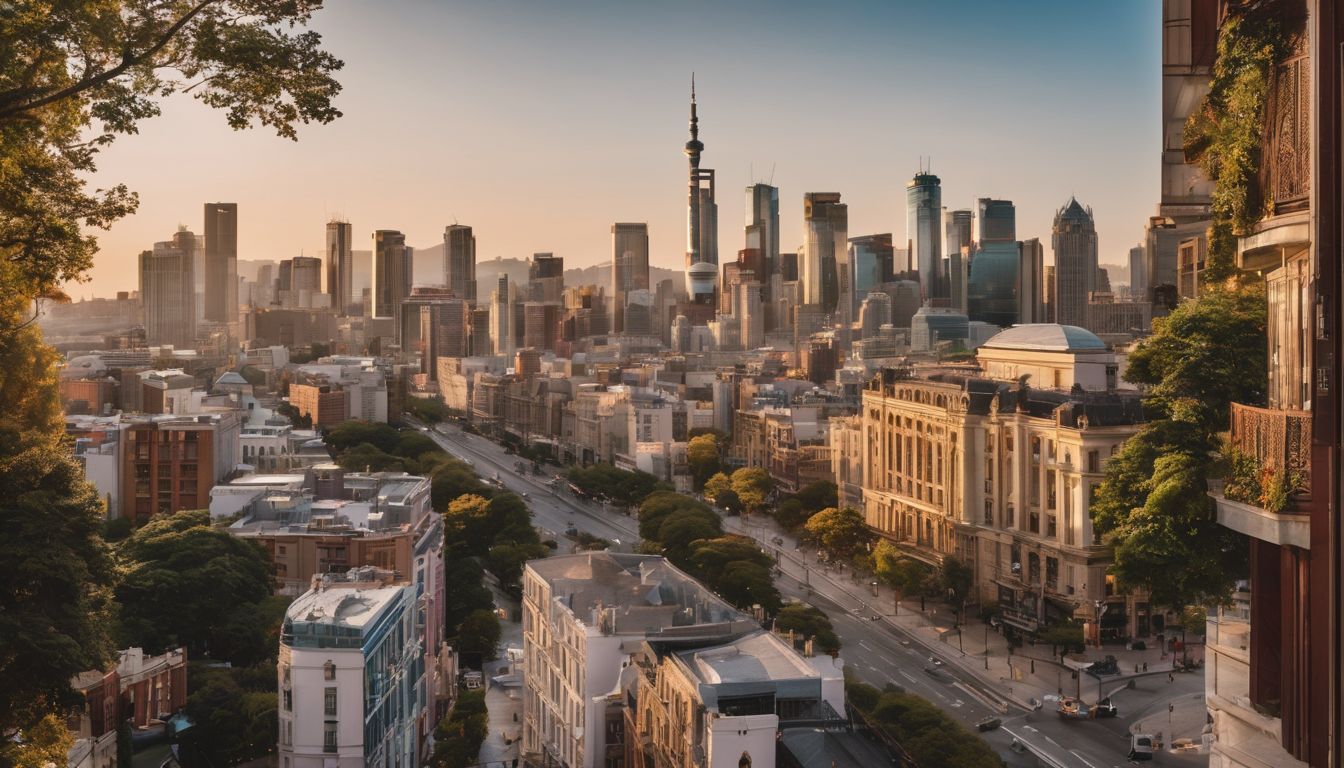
(125, 746)
(1208, 353)
(683, 528)
(752, 485)
(840, 533)
(719, 483)
(454, 478)
(619, 486)
(188, 583)
(791, 515)
(1241, 476)
(350, 434)
(459, 736)
(299, 420)
(1067, 633)
(809, 622)
(234, 711)
(479, 634)
(957, 579)
(730, 502)
(43, 744)
(703, 458)
(907, 576)
(736, 569)
(1224, 134)
(467, 594)
(818, 496)
(366, 457)
(429, 410)
(360, 446)
(923, 730)
(656, 507)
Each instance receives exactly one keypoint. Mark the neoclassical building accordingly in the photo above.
(1000, 473)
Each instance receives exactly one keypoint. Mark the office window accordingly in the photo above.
(329, 702)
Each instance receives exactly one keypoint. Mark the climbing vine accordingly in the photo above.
(1224, 135)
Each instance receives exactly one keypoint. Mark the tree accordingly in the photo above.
(818, 495)
(43, 744)
(840, 533)
(453, 479)
(234, 714)
(703, 458)
(367, 457)
(1067, 633)
(717, 484)
(54, 568)
(467, 522)
(752, 485)
(187, 583)
(467, 595)
(729, 501)
(657, 506)
(459, 735)
(430, 410)
(479, 634)
(353, 433)
(745, 584)
(685, 527)
(957, 578)
(809, 622)
(790, 514)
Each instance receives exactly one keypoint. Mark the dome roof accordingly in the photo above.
(1049, 337)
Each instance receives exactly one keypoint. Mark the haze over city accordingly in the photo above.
(540, 124)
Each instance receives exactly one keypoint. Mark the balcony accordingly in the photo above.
(1279, 440)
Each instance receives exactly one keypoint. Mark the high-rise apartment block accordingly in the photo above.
(221, 262)
(391, 274)
(823, 265)
(629, 267)
(168, 291)
(340, 266)
(459, 261)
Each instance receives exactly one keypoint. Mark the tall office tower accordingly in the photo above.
(873, 314)
(459, 261)
(480, 332)
(391, 274)
(306, 275)
(629, 267)
(905, 301)
(1050, 300)
(762, 234)
(664, 303)
(168, 292)
(958, 232)
(1138, 275)
(749, 311)
(284, 277)
(221, 262)
(958, 277)
(639, 312)
(501, 318)
(340, 266)
(998, 221)
(702, 218)
(872, 260)
(923, 222)
(1031, 281)
(546, 278)
(1075, 243)
(681, 335)
(541, 324)
(991, 288)
(823, 266)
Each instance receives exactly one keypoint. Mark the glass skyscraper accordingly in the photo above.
(923, 228)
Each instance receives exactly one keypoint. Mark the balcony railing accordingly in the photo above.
(1286, 175)
(1277, 439)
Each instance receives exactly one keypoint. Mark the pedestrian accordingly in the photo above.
(1171, 678)
(1145, 666)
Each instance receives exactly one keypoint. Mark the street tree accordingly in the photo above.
(716, 485)
(818, 495)
(479, 633)
(753, 486)
(958, 577)
(791, 514)
(840, 533)
(703, 458)
(745, 584)
(809, 622)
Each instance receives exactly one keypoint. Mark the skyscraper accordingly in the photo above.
(501, 318)
(546, 278)
(998, 221)
(959, 234)
(823, 266)
(221, 262)
(1138, 274)
(459, 261)
(924, 213)
(629, 267)
(391, 274)
(871, 260)
(702, 216)
(1075, 243)
(168, 291)
(340, 266)
(762, 234)
(1031, 281)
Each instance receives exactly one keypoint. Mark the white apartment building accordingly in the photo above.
(584, 616)
(353, 686)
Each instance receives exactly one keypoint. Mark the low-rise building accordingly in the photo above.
(137, 689)
(172, 462)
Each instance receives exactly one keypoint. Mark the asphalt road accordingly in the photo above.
(878, 651)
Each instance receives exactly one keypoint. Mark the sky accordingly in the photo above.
(540, 124)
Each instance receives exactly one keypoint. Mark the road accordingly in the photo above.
(879, 652)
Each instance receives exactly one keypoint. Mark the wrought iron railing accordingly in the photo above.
(1286, 177)
(1278, 439)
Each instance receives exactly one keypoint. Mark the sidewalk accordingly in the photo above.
(1018, 676)
(504, 706)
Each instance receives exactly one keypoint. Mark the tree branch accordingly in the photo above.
(128, 60)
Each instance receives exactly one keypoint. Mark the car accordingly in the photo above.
(935, 661)
(1105, 708)
(777, 541)
(988, 724)
(524, 495)
(1141, 746)
(906, 643)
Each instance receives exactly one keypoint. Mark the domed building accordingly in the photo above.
(1052, 356)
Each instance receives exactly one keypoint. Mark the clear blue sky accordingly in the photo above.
(540, 124)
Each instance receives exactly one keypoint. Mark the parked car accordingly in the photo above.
(1141, 746)
(1105, 708)
(988, 724)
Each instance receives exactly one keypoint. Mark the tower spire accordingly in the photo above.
(695, 121)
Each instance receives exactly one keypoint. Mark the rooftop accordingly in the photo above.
(1047, 337)
(758, 657)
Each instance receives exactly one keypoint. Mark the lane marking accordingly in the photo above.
(1091, 764)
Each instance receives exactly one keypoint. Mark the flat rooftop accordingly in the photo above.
(337, 605)
(757, 657)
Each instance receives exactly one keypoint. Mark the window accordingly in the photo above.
(1094, 461)
(329, 738)
(289, 700)
(329, 670)
(329, 702)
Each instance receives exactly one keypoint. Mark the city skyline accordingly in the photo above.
(626, 127)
